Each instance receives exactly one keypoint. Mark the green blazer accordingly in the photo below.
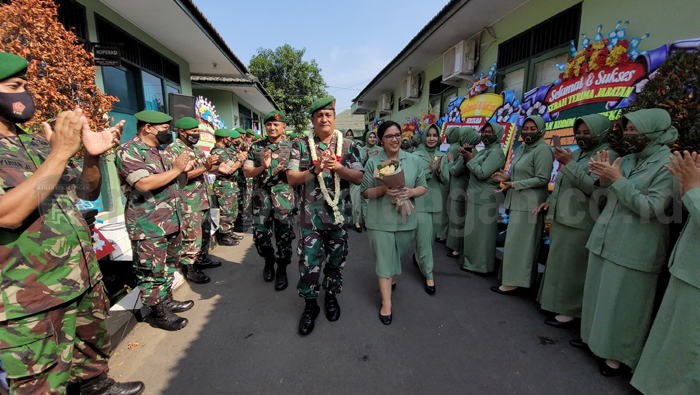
(570, 202)
(486, 162)
(632, 230)
(432, 201)
(363, 153)
(530, 173)
(686, 255)
(382, 213)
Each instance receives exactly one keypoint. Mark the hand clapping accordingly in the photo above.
(600, 166)
(686, 169)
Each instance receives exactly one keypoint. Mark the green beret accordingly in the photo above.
(12, 65)
(240, 131)
(153, 117)
(222, 133)
(250, 131)
(235, 134)
(326, 103)
(187, 123)
(274, 116)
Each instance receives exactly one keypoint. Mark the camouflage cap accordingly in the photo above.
(222, 133)
(235, 134)
(187, 123)
(153, 117)
(322, 104)
(12, 65)
(274, 116)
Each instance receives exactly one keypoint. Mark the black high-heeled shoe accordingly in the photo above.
(430, 289)
(385, 319)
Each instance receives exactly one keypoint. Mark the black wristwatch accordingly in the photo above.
(311, 169)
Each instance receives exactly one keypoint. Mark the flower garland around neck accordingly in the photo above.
(337, 217)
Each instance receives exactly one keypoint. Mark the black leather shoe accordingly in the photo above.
(193, 274)
(306, 323)
(235, 236)
(607, 371)
(430, 289)
(103, 385)
(281, 283)
(226, 240)
(358, 229)
(269, 269)
(177, 306)
(206, 263)
(441, 241)
(332, 307)
(385, 319)
(164, 318)
(559, 324)
(451, 255)
(516, 291)
(578, 343)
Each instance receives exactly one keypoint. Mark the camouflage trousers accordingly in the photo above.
(264, 222)
(315, 247)
(45, 352)
(156, 261)
(228, 208)
(196, 227)
(244, 198)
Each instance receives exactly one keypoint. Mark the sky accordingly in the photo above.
(350, 40)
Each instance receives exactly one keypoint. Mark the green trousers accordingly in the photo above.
(191, 236)
(156, 261)
(228, 207)
(45, 352)
(425, 237)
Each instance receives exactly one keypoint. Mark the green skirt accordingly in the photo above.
(561, 290)
(522, 246)
(356, 201)
(617, 310)
(389, 248)
(480, 231)
(441, 232)
(670, 362)
(455, 231)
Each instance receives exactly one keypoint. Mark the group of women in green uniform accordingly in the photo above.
(609, 233)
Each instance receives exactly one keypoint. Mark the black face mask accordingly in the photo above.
(165, 137)
(488, 139)
(634, 143)
(530, 138)
(16, 107)
(193, 138)
(586, 143)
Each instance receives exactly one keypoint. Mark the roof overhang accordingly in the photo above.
(458, 20)
(248, 89)
(182, 28)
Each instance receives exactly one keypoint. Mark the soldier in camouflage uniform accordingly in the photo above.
(273, 199)
(323, 231)
(245, 186)
(52, 301)
(226, 184)
(194, 199)
(150, 179)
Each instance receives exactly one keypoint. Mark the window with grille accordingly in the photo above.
(555, 32)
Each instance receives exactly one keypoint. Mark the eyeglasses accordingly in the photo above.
(392, 137)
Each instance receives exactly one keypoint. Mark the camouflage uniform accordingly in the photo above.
(152, 218)
(226, 190)
(320, 237)
(194, 203)
(273, 201)
(52, 305)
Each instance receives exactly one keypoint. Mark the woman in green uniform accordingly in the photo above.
(369, 150)
(481, 221)
(459, 180)
(670, 362)
(429, 206)
(355, 198)
(452, 138)
(629, 241)
(389, 234)
(527, 188)
(572, 215)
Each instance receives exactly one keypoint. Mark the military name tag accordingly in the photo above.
(258, 154)
(16, 164)
(284, 154)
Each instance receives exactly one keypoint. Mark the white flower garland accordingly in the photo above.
(338, 218)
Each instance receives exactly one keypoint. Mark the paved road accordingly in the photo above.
(242, 338)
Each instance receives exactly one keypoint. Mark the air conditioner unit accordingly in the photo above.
(363, 107)
(386, 104)
(458, 63)
(410, 89)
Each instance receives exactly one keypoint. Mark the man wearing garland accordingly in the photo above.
(325, 165)
(273, 199)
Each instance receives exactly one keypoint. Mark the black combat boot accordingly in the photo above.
(164, 318)
(269, 269)
(226, 240)
(204, 262)
(176, 306)
(235, 236)
(193, 274)
(281, 276)
(103, 385)
(332, 307)
(306, 323)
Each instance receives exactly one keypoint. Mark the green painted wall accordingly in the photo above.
(665, 21)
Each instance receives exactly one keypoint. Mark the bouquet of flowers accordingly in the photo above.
(391, 174)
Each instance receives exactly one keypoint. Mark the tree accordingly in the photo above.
(674, 88)
(60, 74)
(292, 82)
